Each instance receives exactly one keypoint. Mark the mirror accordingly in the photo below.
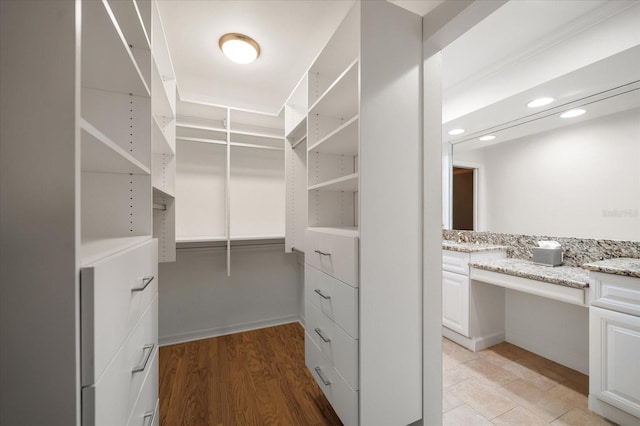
(525, 170)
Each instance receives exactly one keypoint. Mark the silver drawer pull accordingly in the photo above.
(324, 296)
(322, 253)
(147, 420)
(147, 350)
(322, 336)
(145, 283)
(319, 373)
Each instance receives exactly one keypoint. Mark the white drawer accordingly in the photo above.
(343, 399)
(147, 407)
(615, 292)
(111, 306)
(334, 298)
(336, 345)
(455, 261)
(112, 399)
(337, 255)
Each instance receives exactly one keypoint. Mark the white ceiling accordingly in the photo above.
(291, 33)
(419, 7)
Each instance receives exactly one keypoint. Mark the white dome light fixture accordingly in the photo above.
(239, 48)
(540, 102)
(573, 113)
(455, 132)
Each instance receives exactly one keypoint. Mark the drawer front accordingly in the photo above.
(343, 399)
(112, 399)
(335, 344)
(455, 261)
(336, 255)
(615, 292)
(112, 303)
(334, 298)
(147, 407)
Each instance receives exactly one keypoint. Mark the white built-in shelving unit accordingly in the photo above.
(353, 156)
(230, 176)
(163, 138)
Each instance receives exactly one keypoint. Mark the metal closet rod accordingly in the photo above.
(162, 207)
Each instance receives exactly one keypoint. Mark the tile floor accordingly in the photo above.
(507, 385)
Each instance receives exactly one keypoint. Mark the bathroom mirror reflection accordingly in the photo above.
(522, 169)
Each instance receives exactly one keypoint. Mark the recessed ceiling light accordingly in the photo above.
(487, 138)
(239, 48)
(455, 132)
(540, 102)
(572, 113)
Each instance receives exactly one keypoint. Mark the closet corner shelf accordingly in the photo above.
(207, 239)
(341, 98)
(94, 249)
(103, 42)
(101, 154)
(159, 192)
(345, 231)
(299, 129)
(160, 142)
(347, 183)
(127, 16)
(186, 125)
(341, 141)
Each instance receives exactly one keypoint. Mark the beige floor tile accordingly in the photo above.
(578, 417)
(566, 391)
(536, 400)
(519, 416)
(489, 373)
(456, 374)
(457, 352)
(512, 353)
(579, 379)
(533, 374)
(482, 398)
(449, 400)
(464, 416)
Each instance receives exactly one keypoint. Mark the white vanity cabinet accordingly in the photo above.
(460, 318)
(614, 347)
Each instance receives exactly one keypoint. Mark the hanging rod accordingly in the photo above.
(162, 207)
(251, 145)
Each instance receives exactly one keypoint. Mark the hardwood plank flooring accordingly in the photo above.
(253, 378)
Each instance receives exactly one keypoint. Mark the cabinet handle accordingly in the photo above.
(319, 373)
(324, 296)
(322, 336)
(145, 283)
(147, 350)
(148, 416)
(322, 253)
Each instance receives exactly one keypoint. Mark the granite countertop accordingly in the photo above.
(620, 266)
(569, 276)
(471, 247)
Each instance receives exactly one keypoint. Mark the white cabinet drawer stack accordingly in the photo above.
(331, 318)
(119, 338)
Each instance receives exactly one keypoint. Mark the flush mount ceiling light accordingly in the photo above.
(455, 132)
(540, 102)
(487, 138)
(239, 48)
(572, 113)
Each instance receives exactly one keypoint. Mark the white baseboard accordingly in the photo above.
(227, 329)
(612, 413)
(473, 344)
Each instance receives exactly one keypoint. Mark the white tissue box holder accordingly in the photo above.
(547, 256)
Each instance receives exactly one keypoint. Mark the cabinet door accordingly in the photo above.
(455, 302)
(614, 359)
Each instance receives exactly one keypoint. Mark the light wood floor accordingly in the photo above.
(506, 385)
(245, 379)
(259, 378)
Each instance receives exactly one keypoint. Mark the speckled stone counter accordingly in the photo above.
(471, 247)
(568, 276)
(629, 267)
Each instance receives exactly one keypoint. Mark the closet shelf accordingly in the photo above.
(201, 140)
(342, 141)
(199, 127)
(257, 134)
(162, 105)
(256, 146)
(130, 23)
(299, 129)
(160, 140)
(341, 98)
(94, 249)
(347, 183)
(159, 45)
(159, 192)
(101, 154)
(199, 239)
(345, 231)
(107, 60)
